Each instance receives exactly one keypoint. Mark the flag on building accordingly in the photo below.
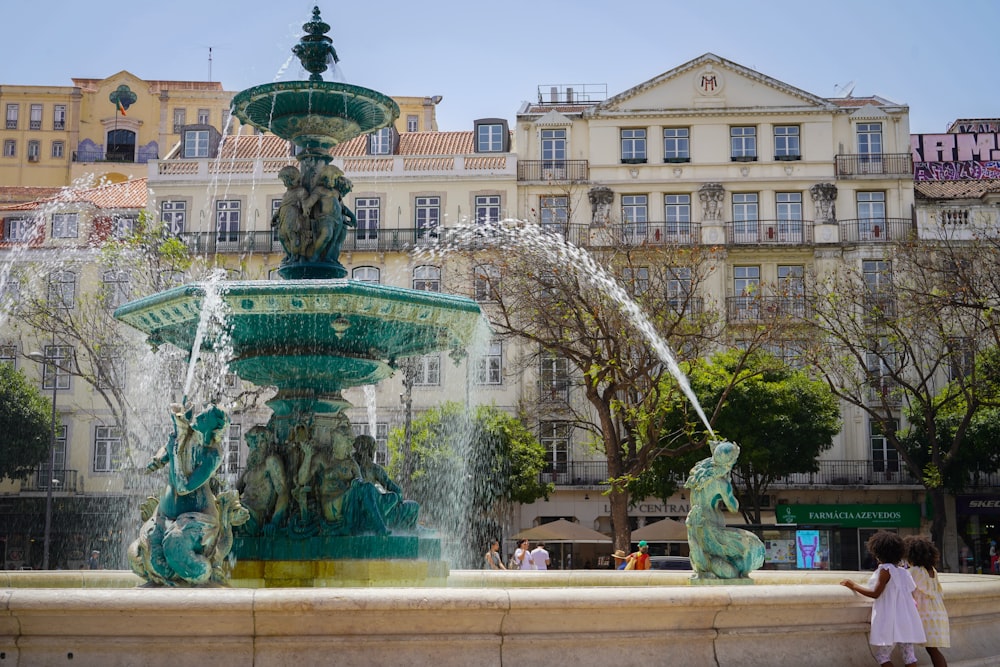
(121, 107)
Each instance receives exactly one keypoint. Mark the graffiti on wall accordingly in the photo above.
(955, 156)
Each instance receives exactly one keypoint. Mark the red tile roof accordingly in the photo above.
(955, 189)
(252, 146)
(132, 194)
(415, 143)
(18, 194)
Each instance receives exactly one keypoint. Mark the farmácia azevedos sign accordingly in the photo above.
(851, 516)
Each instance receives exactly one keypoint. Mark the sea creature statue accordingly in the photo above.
(718, 552)
(187, 533)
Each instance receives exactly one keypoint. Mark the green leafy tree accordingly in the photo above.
(469, 470)
(26, 422)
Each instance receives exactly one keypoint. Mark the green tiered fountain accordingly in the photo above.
(312, 508)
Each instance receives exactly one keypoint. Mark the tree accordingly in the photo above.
(26, 422)
(469, 470)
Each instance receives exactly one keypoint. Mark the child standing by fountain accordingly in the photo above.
(894, 613)
(923, 557)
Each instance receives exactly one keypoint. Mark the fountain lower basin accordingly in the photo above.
(581, 617)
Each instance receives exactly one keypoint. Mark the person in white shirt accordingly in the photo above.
(522, 556)
(540, 557)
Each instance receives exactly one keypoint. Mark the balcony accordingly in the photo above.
(641, 233)
(757, 308)
(62, 480)
(547, 171)
(876, 230)
(895, 165)
(114, 156)
(367, 240)
(769, 232)
(576, 473)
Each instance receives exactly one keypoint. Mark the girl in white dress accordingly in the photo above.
(894, 614)
(923, 557)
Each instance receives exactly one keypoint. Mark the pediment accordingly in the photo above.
(711, 82)
(869, 112)
(554, 118)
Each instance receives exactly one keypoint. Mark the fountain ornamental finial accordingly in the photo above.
(315, 49)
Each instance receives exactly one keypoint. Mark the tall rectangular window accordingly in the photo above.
(412, 123)
(677, 217)
(746, 288)
(743, 143)
(487, 209)
(678, 286)
(786, 142)
(554, 436)
(428, 370)
(871, 215)
(58, 149)
(633, 146)
(745, 217)
(368, 211)
(54, 469)
(885, 458)
(111, 368)
(788, 206)
(203, 116)
(489, 367)
(180, 120)
(62, 289)
(553, 377)
(489, 138)
(196, 143)
(227, 220)
(380, 142)
(173, 214)
(10, 147)
(117, 288)
(233, 441)
(636, 279)
(427, 214)
(554, 212)
(676, 144)
(12, 113)
(35, 117)
(34, 150)
(107, 448)
(55, 372)
(59, 117)
(635, 212)
(877, 274)
(486, 279)
(65, 225)
(869, 138)
(553, 144)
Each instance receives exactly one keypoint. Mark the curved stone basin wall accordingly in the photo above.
(577, 618)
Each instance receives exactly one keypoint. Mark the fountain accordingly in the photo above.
(297, 535)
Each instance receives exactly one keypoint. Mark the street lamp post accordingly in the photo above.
(40, 358)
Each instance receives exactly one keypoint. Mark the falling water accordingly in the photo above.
(211, 322)
(371, 404)
(520, 236)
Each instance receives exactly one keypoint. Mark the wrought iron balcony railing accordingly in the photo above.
(879, 164)
(769, 232)
(553, 170)
(62, 480)
(756, 308)
(876, 230)
(138, 157)
(366, 240)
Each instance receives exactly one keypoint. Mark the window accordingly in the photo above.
(553, 154)
(10, 148)
(634, 217)
(792, 289)
(59, 117)
(381, 439)
(34, 150)
(368, 212)
(173, 214)
(489, 138)
(487, 209)
(678, 286)
(55, 372)
(111, 368)
(196, 143)
(633, 146)
(8, 354)
(554, 213)
(869, 138)
(743, 143)
(411, 123)
(12, 111)
(885, 458)
(180, 120)
(125, 226)
(962, 357)
(745, 217)
(107, 448)
(553, 377)
(427, 278)
(380, 142)
(877, 275)
(58, 149)
(427, 370)
(57, 473)
(554, 436)
(427, 211)
(203, 115)
(365, 274)
(117, 289)
(233, 440)
(65, 225)
(746, 287)
(227, 220)
(786, 142)
(487, 282)
(677, 217)
(62, 289)
(676, 144)
(789, 209)
(18, 230)
(871, 215)
(489, 367)
(35, 117)
(636, 279)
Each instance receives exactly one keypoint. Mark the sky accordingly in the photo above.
(486, 58)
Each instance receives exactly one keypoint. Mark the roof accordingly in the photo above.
(18, 194)
(131, 194)
(967, 189)
(237, 146)
(415, 143)
(562, 531)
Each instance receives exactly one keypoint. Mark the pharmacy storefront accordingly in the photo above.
(831, 537)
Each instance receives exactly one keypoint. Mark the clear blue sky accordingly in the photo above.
(940, 58)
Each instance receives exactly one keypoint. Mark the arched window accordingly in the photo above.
(366, 274)
(427, 278)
